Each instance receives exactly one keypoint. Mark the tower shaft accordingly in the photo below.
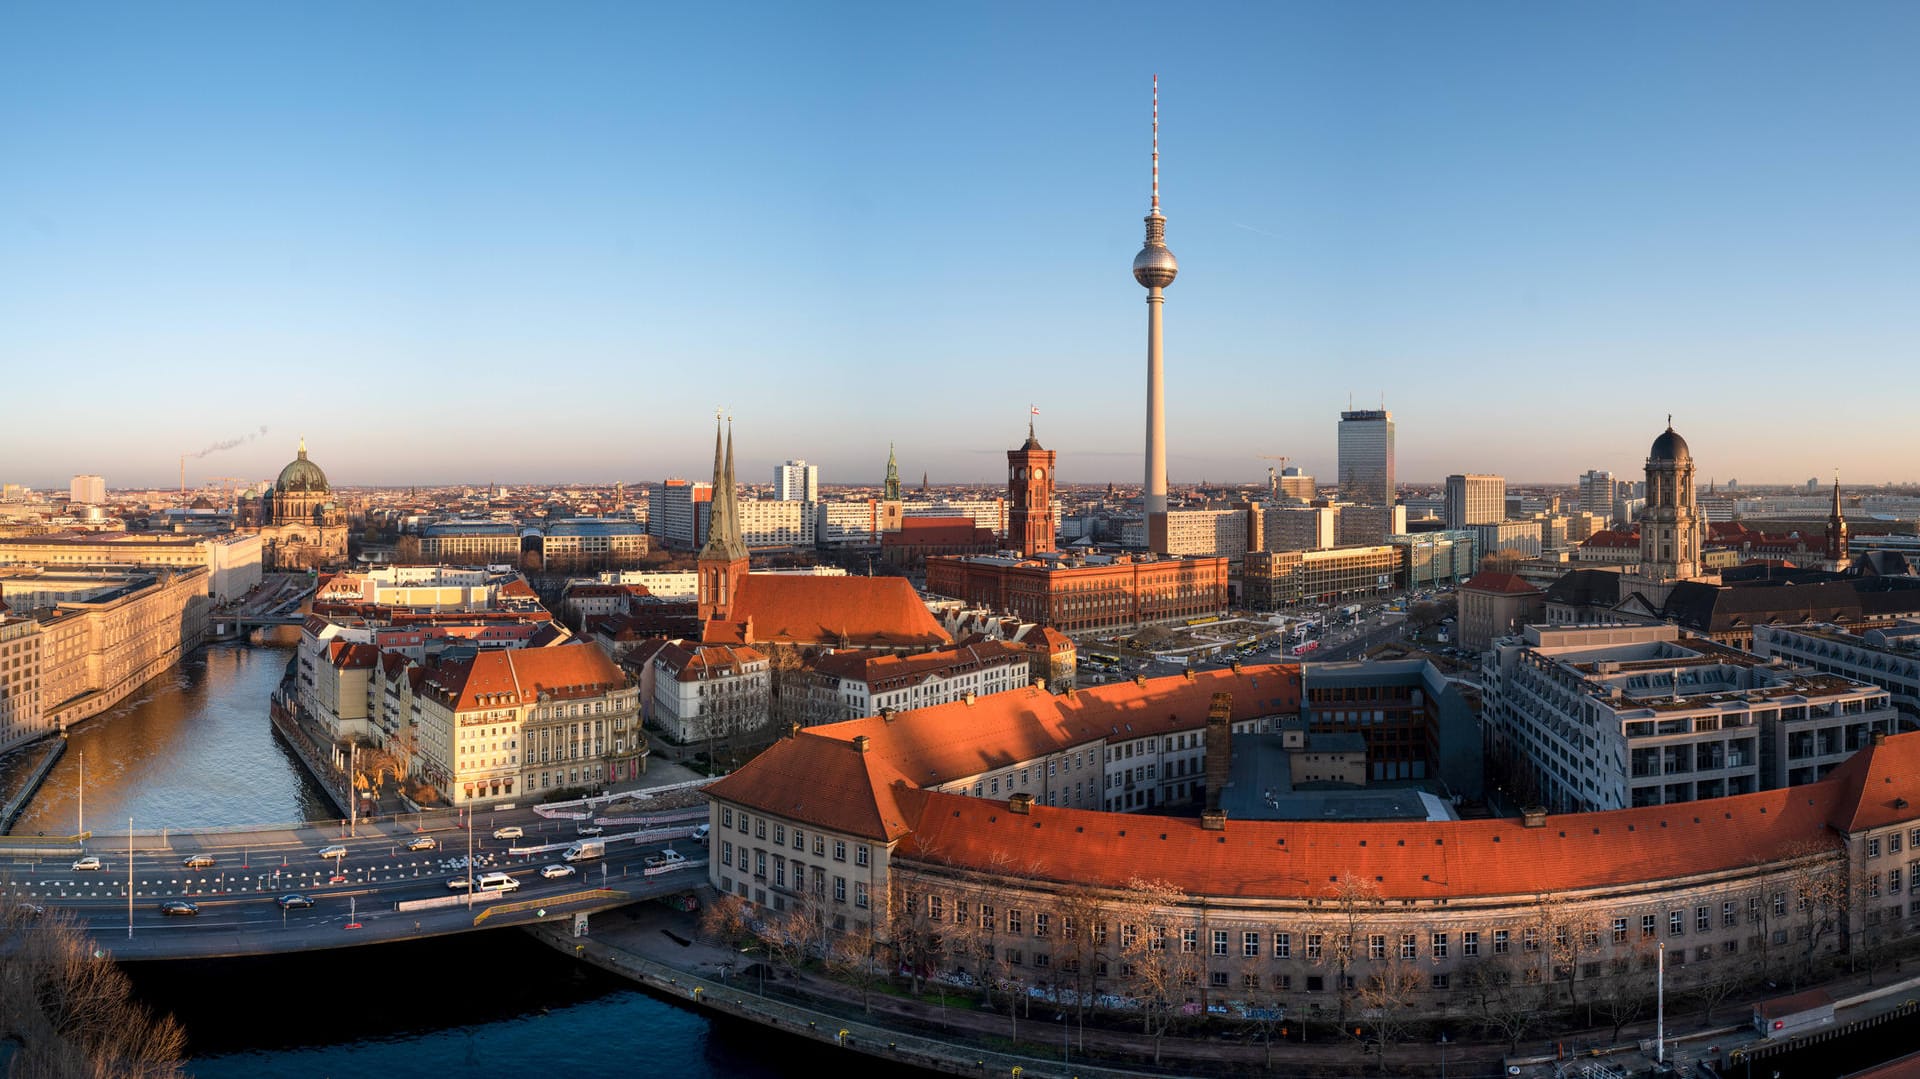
(1156, 478)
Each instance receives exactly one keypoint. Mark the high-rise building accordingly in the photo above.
(1366, 457)
(89, 490)
(1294, 484)
(796, 481)
(1475, 500)
(1154, 267)
(1596, 494)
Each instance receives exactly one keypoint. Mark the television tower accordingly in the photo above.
(1155, 268)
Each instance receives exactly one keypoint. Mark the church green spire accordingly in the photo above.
(893, 476)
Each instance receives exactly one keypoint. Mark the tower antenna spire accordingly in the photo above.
(1156, 143)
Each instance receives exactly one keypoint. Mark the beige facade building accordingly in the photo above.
(232, 559)
(1207, 533)
(95, 639)
(1276, 579)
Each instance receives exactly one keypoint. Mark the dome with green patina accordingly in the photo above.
(301, 474)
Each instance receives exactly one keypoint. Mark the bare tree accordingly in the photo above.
(1355, 900)
(1153, 966)
(1387, 997)
(1819, 895)
(1624, 988)
(69, 1013)
(1715, 981)
(1507, 1004)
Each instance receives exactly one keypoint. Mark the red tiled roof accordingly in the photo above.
(872, 612)
(519, 676)
(939, 532)
(827, 782)
(352, 657)
(887, 667)
(1613, 537)
(1404, 859)
(690, 664)
(1873, 780)
(952, 741)
(1507, 583)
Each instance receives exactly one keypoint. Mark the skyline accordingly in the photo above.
(238, 221)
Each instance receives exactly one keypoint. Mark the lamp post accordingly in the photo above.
(80, 815)
(129, 878)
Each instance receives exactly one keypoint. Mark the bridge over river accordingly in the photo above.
(385, 882)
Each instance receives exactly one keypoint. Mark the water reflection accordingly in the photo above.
(190, 749)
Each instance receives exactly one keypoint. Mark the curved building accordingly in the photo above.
(984, 834)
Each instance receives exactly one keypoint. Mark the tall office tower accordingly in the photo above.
(1154, 267)
(88, 490)
(1293, 484)
(1475, 500)
(796, 481)
(1366, 457)
(1595, 494)
(1030, 521)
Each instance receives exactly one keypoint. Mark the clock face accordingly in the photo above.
(1039, 473)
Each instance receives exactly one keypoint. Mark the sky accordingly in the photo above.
(472, 242)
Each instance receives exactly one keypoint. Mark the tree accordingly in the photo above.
(1623, 989)
(1387, 997)
(1154, 967)
(1717, 980)
(1355, 900)
(1569, 937)
(68, 1013)
(1819, 895)
(1082, 949)
(1508, 1006)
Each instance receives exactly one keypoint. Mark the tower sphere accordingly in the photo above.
(1154, 266)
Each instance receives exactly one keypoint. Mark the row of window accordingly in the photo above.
(758, 826)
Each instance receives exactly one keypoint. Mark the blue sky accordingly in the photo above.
(462, 242)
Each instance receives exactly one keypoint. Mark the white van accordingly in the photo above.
(496, 882)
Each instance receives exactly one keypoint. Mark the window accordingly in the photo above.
(1217, 979)
(1040, 925)
(860, 854)
(1873, 847)
(960, 916)
(1893, 843)
(1648, 926)
(779, 835)
(1409, 948)
(1313, 946)
(839, 850)
(799, 839)
(1189, 940)
(986, 917)
(760, 864)
(1753, 908)
(1702, 919)
(1283, 982)
(1219, 942)
(1440, 981)
(1439, 945)
(860, 894)
(1470, 943)
(1676, 922)
(1779, 904)
(743, 824)
(1014, 919)
(819, 847)
(1893, 882)
(1250, 945)
(1529, 939)
(933, 908)
(760, 828)
(1619, 930)
(1283, 945)
(1727, 916)
(1499, 942)
(726, 853)
(726, 817)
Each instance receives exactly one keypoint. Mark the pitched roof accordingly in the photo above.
(1404, 859)
(952, 741)
(520, 676)
(1585, 588)
(827, 782)
(870, 612)
(939, 532)
(1507, 583)
(1874, 782)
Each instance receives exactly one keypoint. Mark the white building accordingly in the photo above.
(1607, 716)
(1301, 528)
(864, 683)
(796, 481)
(677, 513)
(776, 523)
(1473, 499)
(89, 490)
(710, 691)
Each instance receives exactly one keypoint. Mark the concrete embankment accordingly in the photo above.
(10, 812)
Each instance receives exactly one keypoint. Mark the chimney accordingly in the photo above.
(1040, 684)
(1219, 761)
(1236, 666)
(1140, 680)
(1021, 803)
(1213, 820)
(1879, 738)
(1189, 673)
(968, 698)
(1533, 816)
(860, 742)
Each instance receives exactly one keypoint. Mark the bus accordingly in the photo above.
(1303, 649)
(1351, 612)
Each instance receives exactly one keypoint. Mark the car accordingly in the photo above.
(294, 901)
(26, 912)
(87, 863)
(700, 832)
(179, 908)
(556, 870)
(589, 829)
(335, 851)
(424, 842)
(459, 884)
(198, 861)
(511, 831)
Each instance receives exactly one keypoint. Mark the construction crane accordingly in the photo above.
(1273, 479)
(226, 486)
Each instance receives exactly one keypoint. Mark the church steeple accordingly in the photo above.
(1836, 526)
(723, 558)
(892, 493)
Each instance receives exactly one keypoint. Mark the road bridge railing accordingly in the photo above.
(590, 895)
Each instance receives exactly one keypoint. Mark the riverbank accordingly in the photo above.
(661, 950)
(29, 785)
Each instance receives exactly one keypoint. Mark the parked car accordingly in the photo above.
(294, 901)
(422, 842)
(335, 851)
(511, 831)
(198, 861)
(556, 870)
(87, 863)
(179, 907)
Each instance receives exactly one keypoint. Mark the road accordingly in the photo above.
(363, 889)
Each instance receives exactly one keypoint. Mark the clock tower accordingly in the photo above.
(1030, 523)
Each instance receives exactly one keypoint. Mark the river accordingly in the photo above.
(193, 749)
